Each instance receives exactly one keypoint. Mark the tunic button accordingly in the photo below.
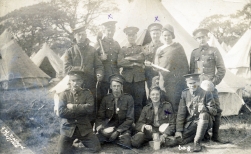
(111, 54)
(76, 120)
(110, 48)
(195, 114)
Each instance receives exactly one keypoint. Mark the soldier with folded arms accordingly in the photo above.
(75, 104)
(131, 60)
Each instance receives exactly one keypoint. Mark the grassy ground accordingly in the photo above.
(29, 113)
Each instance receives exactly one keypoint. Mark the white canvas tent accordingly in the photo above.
(225, 46)
(214, 42)
(230, 88)
(237, 59)
(47, 60)
(17, 71)
(142, 13)
(5, 37)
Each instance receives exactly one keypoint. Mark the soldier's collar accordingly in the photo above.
(75, 91)
(108, 39)
(128, 45)
(152, 44)
(160, 105)
(195, 92)
(119, 98)
(204, 47)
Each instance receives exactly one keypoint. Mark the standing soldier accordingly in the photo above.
(131, 59)
(83, 57)
(75, 105)
(108, 53)
(208, 61)
(116, 114)
(150, 50)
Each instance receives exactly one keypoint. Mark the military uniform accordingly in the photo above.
(131, 59)
(192, 123)
(149, 52)
(90, 62)
(111, 49)
(118, 113)
(134, 75)
(165, 115)
(208, 61)
(75, 122)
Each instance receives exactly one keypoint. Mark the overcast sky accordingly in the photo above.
(189, 13)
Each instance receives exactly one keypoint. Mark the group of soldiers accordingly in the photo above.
(107, 92)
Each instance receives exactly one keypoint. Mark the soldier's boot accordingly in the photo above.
(216, 128)
(200, 132)
(206, 137)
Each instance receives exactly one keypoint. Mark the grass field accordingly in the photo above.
(29, 114)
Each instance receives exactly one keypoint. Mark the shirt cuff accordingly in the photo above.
(143, 127)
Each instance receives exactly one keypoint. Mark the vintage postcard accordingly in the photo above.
(125, 76)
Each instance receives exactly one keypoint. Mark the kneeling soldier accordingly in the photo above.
(195, 114)
(155, 115)
(116, 114)
(74, 107)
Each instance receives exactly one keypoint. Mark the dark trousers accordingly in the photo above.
(138, 92)
(142, 137)
(194, 131)
(90, 141)
(217, 118)
(124, 139)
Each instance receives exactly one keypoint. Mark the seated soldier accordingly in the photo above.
(195, 113)
(75, 104)
(156, 113)
(116, 114)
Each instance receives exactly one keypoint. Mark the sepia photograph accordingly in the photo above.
(125, 76)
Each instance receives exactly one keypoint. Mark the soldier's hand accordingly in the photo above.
(99, 77)
(70, 106)
(100, 127)
(103, 57)
(148, 63)
(202, 108)
(163, 138)
(178, 134)
(114, 136)
(148, 127)
(79, 68)
(137, 64)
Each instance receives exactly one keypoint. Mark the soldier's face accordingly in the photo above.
(80, 37)
(167, 37)
(75, 81)
(155, 35)
(116, 88)
(202, 40)
(155, 95)
(193, 86)
(109, 32)
(132, 38)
